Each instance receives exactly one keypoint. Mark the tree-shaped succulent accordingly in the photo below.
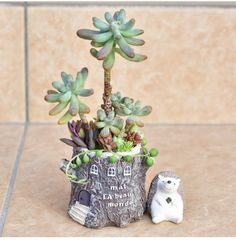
(67, 93)
(114, 35)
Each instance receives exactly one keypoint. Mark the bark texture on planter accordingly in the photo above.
(114, 194)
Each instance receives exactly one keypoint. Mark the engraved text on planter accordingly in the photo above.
(118, 195)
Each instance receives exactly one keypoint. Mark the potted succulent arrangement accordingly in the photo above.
(110, 158)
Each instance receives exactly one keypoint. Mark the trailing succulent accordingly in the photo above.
(114, 35)
(116, 128)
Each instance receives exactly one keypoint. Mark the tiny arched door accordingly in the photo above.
(84, 197)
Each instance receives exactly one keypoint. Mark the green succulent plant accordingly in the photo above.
(125, 106)
(126, 146)
(66, 93)
(108, 123)
(118, 140)
(114, 35)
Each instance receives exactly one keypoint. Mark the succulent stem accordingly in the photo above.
(107, 104)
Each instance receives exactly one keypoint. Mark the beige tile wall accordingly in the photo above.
(189, 77)
(12, 94)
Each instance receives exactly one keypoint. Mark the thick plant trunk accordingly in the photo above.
(110, 197)
(107, 105)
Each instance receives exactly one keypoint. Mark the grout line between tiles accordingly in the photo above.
(191, 124)
(12, 180)
(11, 4)
(207, 4)
(227, 4)
(26, 62)
(12, 123)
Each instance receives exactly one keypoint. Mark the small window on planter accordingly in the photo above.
(111, 171)
(127, 171)
(94, 169)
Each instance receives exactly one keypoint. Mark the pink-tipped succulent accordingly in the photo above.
(67, 93)
(115, 34)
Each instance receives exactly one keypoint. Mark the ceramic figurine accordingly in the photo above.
(110, 158)
(165, 198)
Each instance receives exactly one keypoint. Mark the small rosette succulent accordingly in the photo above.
(107, 143)
(114, 35)
(122, 144)
(125, 106)
(67, 93)
(108, 123)
(134, 137)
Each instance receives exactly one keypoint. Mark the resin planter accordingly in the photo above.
(113, 193)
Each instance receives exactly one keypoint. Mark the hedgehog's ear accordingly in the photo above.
(179, 180)
(160, 177)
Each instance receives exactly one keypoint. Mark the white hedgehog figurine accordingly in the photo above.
(165, 198)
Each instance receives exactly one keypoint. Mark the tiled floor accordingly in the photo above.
(11, 136)
(203, 155)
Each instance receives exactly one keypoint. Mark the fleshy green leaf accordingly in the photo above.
(144, 111)
(85, 92)
(101, 114)
(100, 124)
(83, 108)
(86, 33)
(65, 118)
(106, 50)
(54, 97)
(67, 78)
(137, 57)
(109, 61)
(105, 132)
(74, 105)
(58, 108)
(59, 86)
(125, 48)
(115, 130)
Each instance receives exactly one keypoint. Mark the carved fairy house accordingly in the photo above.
(114, 194)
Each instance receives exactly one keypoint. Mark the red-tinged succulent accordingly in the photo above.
(107, 143)
(134, 137)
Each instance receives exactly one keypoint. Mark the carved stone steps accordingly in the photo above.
(79, 212)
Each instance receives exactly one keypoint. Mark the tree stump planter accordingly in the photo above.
(114, 193)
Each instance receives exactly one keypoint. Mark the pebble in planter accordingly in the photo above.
(110, 159)
(165, 198)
